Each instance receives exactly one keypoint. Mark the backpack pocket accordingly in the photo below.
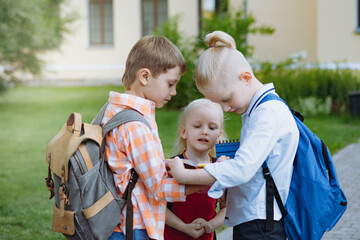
(63, 223)
(99, 204)
(339, 207)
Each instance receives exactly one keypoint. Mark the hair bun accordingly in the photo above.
(220, 38)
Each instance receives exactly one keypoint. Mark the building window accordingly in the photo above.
(154, 14)
(101, 22)
(209, 7)
(357, 27)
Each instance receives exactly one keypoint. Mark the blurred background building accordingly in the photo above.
(321, 31)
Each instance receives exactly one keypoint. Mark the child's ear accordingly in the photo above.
(183, 132)
(144, 74)
(246, 76)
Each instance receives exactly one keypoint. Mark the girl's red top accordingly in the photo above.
(197, 205)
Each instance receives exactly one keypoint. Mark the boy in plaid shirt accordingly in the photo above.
(153, 68)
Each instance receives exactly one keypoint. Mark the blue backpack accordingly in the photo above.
(315, 202)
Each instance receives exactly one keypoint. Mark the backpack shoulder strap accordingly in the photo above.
(271, 96)
(100, 115)
(127, 115)
(271, 189)
(124, 116)
(260, 100)
(271, 192)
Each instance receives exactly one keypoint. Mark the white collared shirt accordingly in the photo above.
(268, 133)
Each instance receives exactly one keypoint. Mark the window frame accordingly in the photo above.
(156, 14)
(102, 23)
(217, 10)
(357, 16)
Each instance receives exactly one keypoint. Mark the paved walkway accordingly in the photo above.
(347, 163)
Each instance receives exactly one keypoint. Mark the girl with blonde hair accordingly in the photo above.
(201, 126)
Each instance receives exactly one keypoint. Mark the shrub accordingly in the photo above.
(323, 86)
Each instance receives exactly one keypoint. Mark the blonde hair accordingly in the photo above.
(221, 56)
(198, 103)
(156, 53)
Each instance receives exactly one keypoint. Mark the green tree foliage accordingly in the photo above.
(186, 88)
(27, 29)
(233, 23)
(238, 24)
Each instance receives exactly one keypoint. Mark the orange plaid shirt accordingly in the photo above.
(134, 145)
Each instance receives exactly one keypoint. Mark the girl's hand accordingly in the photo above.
(222, 158)
(177, 169)
(194, 230)
(207, 226)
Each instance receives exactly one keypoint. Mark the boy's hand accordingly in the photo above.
(222, 158)
(176, 169)
(167, 167)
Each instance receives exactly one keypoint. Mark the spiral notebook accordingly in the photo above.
(227, 148)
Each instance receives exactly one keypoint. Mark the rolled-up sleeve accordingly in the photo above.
(216, 190)
(173, 191)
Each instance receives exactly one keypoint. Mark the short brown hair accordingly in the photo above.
(156, 53)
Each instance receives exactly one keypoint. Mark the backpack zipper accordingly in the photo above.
(79, 163)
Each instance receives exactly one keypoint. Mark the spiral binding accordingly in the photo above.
(227, 148)
(228, 141)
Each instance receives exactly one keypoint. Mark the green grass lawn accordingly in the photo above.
(30, 117)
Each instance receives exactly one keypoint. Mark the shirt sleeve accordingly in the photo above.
(257, 142)
(141, 150)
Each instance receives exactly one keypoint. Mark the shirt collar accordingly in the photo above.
(258, 96)
(142, 105)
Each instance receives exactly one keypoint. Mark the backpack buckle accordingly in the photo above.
(266, 173)
(63, 193)
(133, 176)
